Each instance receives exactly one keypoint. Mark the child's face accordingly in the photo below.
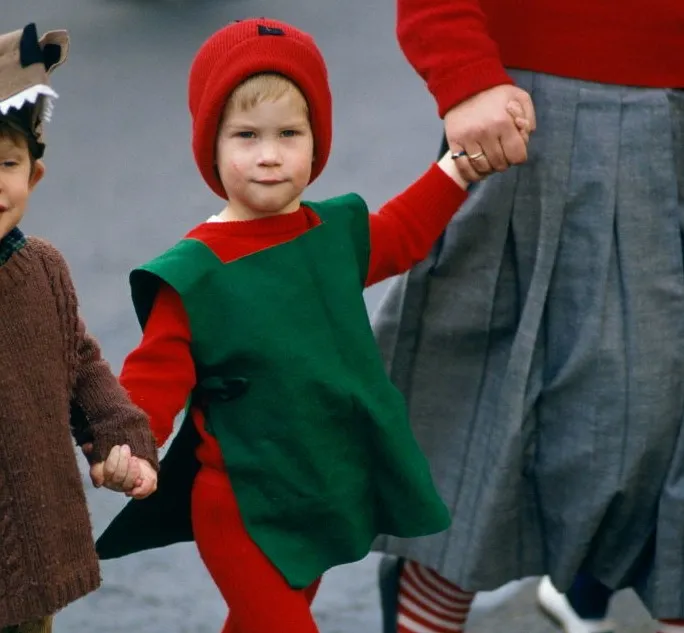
(264, 157)
(17, 181)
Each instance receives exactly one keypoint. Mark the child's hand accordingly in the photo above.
(119, 472)
(465, 170)
(524, 126)
(146, 484)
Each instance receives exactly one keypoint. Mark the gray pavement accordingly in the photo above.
(121, 186)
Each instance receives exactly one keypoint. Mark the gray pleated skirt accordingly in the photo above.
(541, 351)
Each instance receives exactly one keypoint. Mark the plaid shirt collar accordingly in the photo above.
(10, 244)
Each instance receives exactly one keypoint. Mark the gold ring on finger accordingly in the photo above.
(476, 156)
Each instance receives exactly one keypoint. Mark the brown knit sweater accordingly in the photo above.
(48, 364)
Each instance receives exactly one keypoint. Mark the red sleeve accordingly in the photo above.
(404, 230)
(446, 41)
(160, 374)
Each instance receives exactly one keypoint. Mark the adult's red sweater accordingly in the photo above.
(160, 374)
(461, 47)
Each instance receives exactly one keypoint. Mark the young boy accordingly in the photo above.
(256, 319)
(53, 381)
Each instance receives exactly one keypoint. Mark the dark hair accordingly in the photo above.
(22, 122)
(9, 130)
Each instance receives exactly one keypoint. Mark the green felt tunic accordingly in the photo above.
(315, 438)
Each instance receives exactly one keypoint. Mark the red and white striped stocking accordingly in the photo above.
(430, 604)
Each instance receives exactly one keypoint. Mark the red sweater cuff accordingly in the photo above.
(435, 190)
(462, 83)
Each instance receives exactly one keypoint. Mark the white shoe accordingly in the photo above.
(557, 607)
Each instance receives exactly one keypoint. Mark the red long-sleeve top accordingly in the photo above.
(460, 47)
(160, 373)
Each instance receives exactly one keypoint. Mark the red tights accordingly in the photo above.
(259, 598)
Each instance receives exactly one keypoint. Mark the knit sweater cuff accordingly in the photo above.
(109, 434)
(465, 82)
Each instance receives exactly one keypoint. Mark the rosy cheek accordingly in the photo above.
(233, 170)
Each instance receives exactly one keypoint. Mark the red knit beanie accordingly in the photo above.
(246, 48)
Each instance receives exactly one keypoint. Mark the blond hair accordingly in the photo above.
(259, 88)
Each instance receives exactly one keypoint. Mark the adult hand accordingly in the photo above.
(482, 127)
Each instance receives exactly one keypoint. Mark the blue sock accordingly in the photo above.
(388, 580)
(589, 598)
